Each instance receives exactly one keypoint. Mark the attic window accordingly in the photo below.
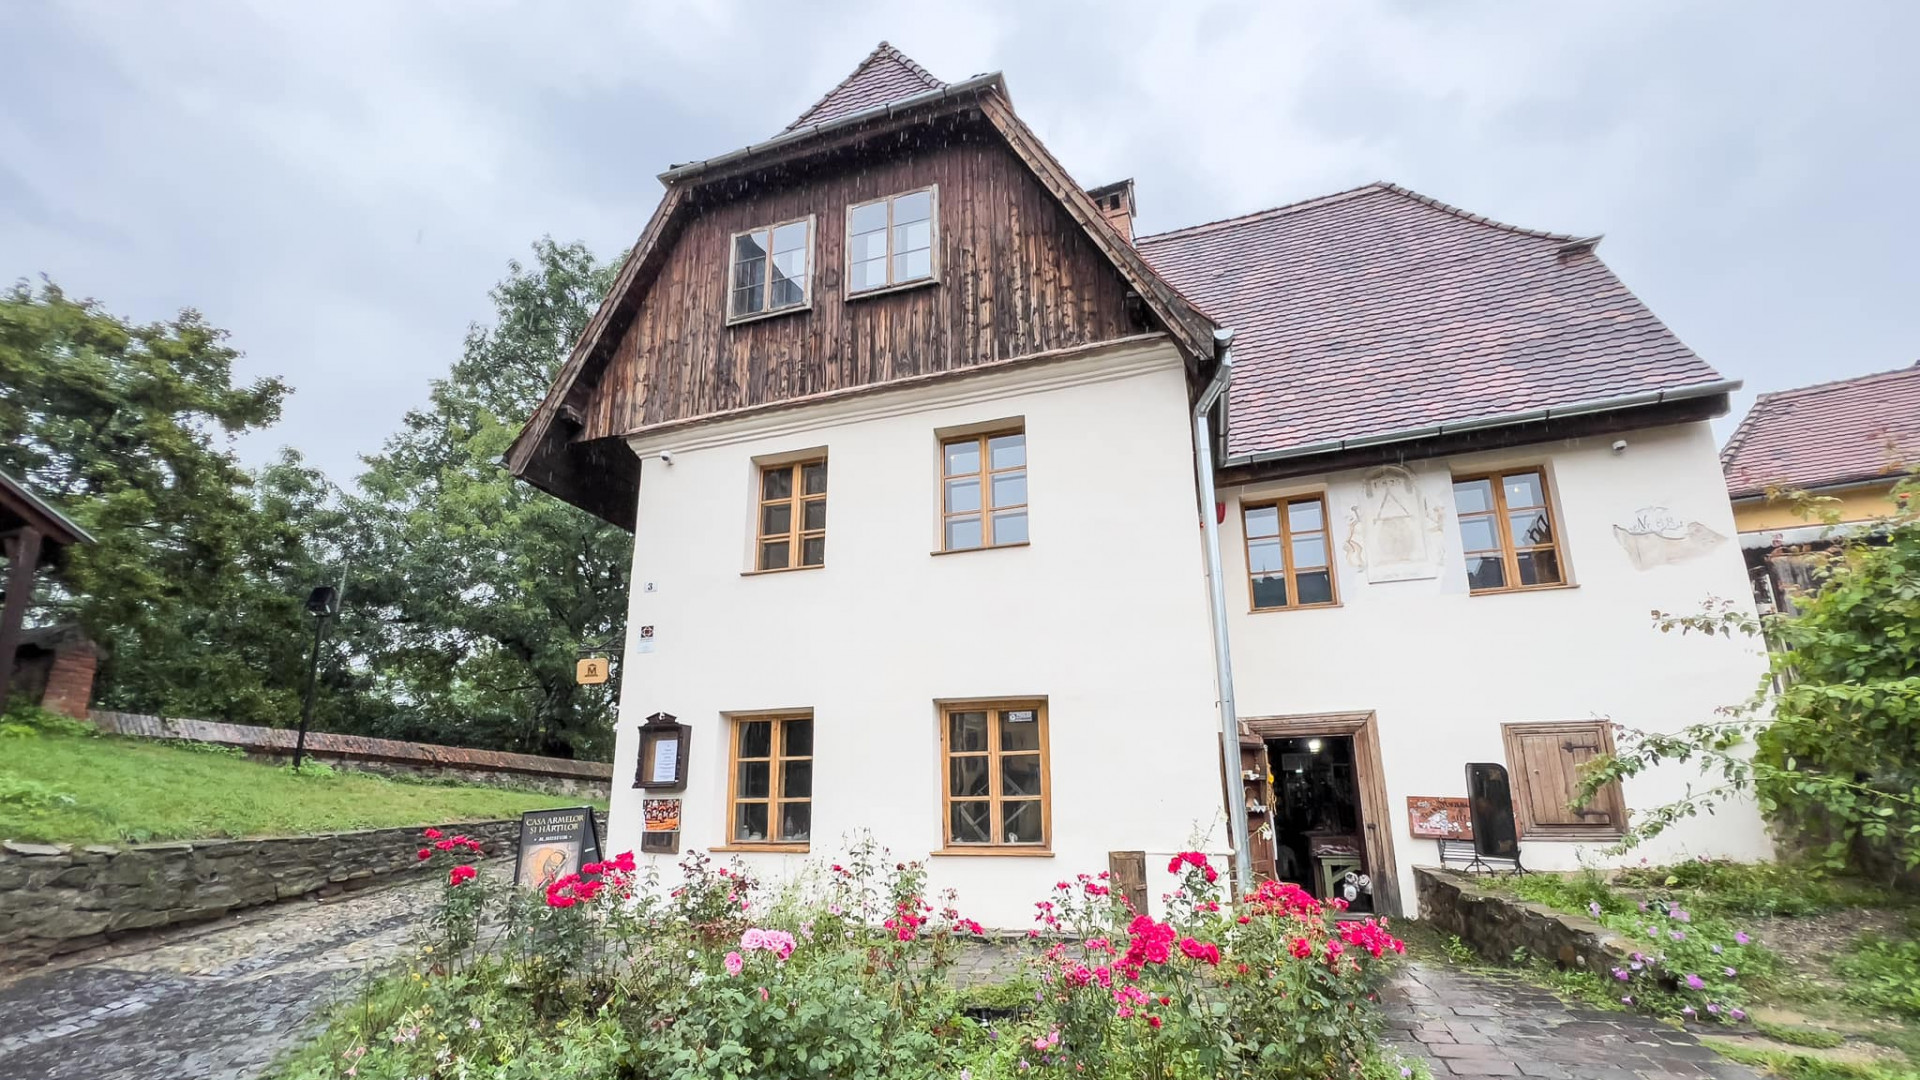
(771, 270)
(890, 241)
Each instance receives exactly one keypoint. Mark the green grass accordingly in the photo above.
(1795, 1066)
(65, 788)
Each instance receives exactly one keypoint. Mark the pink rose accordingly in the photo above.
(734, 963)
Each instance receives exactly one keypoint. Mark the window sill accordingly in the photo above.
(1519, 589)
(889, 290)
(741, 320)
(780, 570)
(776, 849)
(989, 850)
(1336, 605)
(986, 547)
(1571, 835)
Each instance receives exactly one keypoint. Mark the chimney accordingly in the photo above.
(1115, 201)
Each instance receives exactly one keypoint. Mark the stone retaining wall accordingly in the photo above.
(55, 898)
(1494, 925)
(560, 776)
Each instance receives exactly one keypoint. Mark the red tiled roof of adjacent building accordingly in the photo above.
(885, 75)
(1377, 310)
(1832, 433)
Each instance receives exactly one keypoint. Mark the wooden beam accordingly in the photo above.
(22, 559)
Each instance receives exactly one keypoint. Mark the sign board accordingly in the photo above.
(554, 843)
(662, 815)
(662, 765)
(1439, 817)
(591, 672)
(1490, 805)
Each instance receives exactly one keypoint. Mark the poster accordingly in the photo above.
(662, 815)
(554, 843)
(666, 759)
(1439, 817)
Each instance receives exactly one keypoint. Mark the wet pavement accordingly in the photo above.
(1472, 1023)
(222, 1000)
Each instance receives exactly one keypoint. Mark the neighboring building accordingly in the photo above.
(33, 536)
(995, 650)
(1848, 441)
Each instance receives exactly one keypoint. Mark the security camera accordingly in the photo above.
(1619, 446)
(667, 455)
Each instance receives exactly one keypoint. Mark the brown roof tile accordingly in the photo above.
(1832, 433)
(885, 75)
(1378, 310)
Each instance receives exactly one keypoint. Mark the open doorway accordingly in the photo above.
(1321, 819)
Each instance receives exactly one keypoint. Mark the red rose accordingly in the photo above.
(425, 854)
(432, 834)
(460, 874)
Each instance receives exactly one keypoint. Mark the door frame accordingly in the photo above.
(1371, 778)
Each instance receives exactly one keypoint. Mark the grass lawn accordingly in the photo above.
(65, 788)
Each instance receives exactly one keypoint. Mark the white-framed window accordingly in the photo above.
(770, 270)
(890, 241)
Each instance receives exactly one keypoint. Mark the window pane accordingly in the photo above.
(871, 247)
(1486, 573)
(776, 483)
(1539, 568)
(1010, 527)
(1263, 521)
(1008, 451)
(796, 739)
(815, 516)
(869, 274)
(748, 246)
(1523, 489)
(813, 478)
(796, 821)
(1305, 516)
(1019, 729)
(913, 265)
(917, 206)
(754, 778)
(790, 237)
(774, 555)
(1309, 552)
(972, 822)
(813, 551)
(1530, 528)
(914, 236)
(967, 776)
(963, 495)
(749, 300)
(796, 779)
(750, 821)
(1020, 822)
(1010, 489)
(868, 218)
(1270, 592)
(1316, 586)
(1476, 534)
(749, 272)
(756, 739)
(776, 520)
(1263, 556)
(788, 289)
(963, 456)
(1473, 496)
(963, 533)
(1020, 775)
(966, 731)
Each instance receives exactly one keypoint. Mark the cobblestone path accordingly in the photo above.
(217, 1001)
(1481, 1024)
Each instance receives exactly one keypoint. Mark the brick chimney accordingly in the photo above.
(1115, 201)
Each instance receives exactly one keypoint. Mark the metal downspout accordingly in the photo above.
(1217, 600)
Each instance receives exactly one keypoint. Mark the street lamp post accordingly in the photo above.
(322, 603)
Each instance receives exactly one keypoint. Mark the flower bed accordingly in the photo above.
(613, 972)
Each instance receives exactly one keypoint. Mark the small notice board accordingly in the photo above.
(554, 843)
(1439, 817)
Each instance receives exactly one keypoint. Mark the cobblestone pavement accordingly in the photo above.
(217, 1001)
(1480, 1024)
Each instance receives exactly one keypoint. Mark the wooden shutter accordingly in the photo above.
(1253, 759)
(1546, 760)
(1127, 876)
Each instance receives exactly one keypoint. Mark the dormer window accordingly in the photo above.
(890, 241)
(772, 270)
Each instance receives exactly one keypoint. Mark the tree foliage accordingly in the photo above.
(1829, 744)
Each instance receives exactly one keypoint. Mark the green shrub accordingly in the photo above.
(1883, 972)
(22, 719)
(1733, 888)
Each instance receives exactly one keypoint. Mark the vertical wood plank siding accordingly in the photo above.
(1014, 275)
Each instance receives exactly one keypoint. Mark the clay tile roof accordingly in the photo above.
(1378, 310)
(885, 75)
(1832, 433)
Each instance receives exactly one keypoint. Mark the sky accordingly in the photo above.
(339, 184)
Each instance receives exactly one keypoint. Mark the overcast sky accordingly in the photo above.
(339, 183)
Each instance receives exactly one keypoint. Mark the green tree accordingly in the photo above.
(487, 588)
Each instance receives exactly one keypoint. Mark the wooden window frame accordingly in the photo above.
(933, 244)
(1287, 570)
(994, 797)
(733, 260)
(796, 501)
(1503, 531)
(1608, 797)
(776, 782)
(986, 511)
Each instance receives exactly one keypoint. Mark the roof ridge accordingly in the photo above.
(884, 50)
(1272, 211)
(1482, 219)
(1792, 391)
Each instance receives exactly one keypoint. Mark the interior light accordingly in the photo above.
(1313, 745)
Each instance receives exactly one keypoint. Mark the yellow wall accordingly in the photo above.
(1862, 503)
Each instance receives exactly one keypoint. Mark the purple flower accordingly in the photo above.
(1688, 1012)
(1594, 907)
(1731, 973)
(1643, 905)
(1653, 931)
(1621, 974)
(1716, 950)
(1677, 935)
(1695, 982)
(1681, 915)
(1636, 965)
(1713, 1008)
(1740, 937)
(1736, 1014)
(1628, 1000)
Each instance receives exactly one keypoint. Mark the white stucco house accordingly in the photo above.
(965, 517)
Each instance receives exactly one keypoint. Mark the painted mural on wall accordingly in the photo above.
(1395, 533)
(1659, 537)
